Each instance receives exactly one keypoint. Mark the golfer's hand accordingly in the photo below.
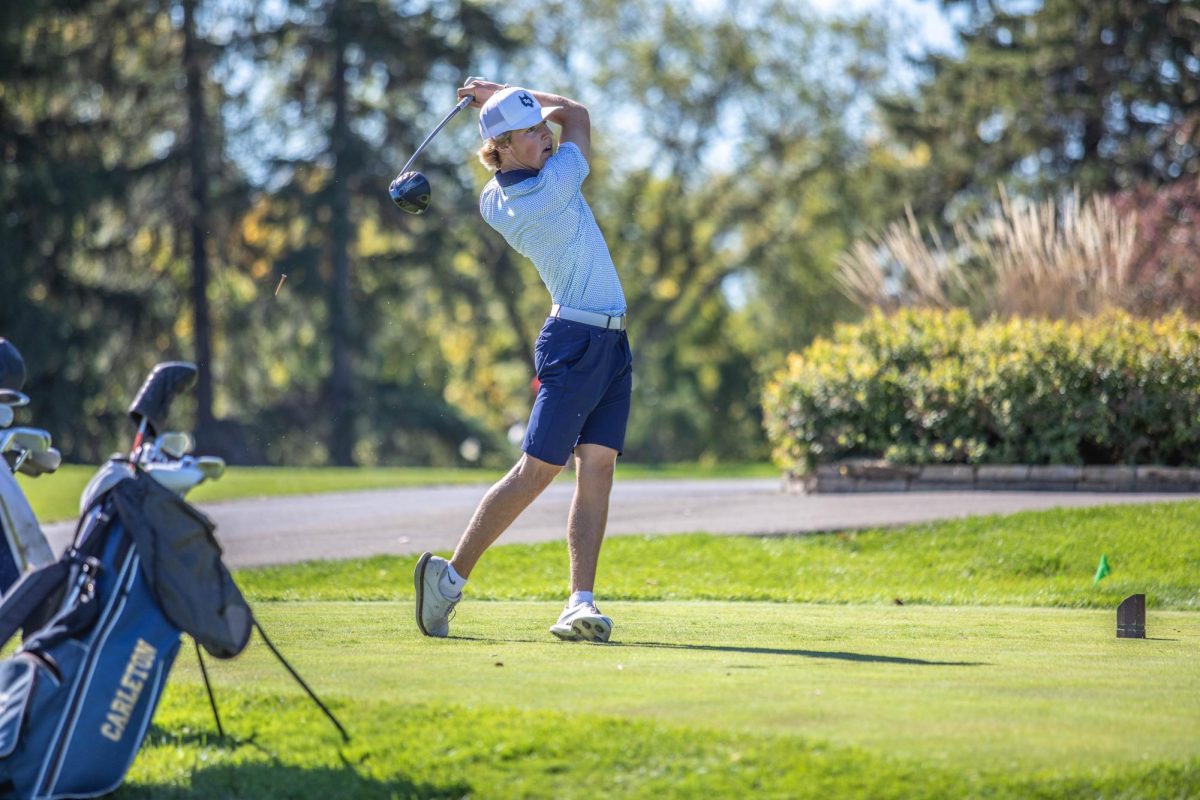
(481, 89)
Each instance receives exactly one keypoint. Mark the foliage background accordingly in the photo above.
(165, 163)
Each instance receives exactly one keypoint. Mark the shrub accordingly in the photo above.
(924, 386)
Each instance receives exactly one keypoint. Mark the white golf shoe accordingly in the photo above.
(434, 609)
(582, 623)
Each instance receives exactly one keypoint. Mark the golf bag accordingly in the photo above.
(102, 628)
(102, 625)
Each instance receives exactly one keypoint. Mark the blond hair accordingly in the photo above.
(489, 154)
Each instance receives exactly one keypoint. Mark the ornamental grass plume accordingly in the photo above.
(1055, 260)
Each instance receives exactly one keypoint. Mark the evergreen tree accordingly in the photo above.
(93, 131)
(350, 79)
(1103, 94)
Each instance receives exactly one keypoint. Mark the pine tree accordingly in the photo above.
(1103, 94)
(353, 73)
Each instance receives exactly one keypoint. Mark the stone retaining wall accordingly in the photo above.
(863, 475)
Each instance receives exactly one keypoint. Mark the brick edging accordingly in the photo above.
(866, 475)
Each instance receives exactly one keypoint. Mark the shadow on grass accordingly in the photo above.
(284, 782)
(762, 651)
(157, 736)
(832, 654)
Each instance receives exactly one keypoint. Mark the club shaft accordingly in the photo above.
(466, 101)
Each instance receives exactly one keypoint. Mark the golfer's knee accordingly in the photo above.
(535, 474)
(595, 466)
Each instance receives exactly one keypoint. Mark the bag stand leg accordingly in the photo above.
(312, 695)
(212, 701)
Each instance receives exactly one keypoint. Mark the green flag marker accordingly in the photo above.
(1102, 569)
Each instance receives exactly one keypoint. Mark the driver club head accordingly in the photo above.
(410, 191)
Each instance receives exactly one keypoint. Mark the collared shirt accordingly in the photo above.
(544, 217)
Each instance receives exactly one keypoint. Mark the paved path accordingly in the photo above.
(401, 521)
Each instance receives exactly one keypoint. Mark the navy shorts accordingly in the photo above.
(586, 376)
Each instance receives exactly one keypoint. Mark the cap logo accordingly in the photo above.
(526, 100)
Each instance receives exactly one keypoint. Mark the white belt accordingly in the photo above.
(588, 317)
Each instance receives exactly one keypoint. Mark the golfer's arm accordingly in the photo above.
(574, 119)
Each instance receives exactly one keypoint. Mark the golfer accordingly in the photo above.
(581, 357)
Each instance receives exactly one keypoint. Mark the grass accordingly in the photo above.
(764, 667)
(696, 699)
(1044, 558)
(56, 497)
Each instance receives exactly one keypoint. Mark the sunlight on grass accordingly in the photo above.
(694, 699)
(967, 658)
(1043, 558)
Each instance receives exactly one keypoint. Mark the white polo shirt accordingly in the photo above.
(544, 217)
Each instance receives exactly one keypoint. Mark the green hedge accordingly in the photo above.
(933, 387)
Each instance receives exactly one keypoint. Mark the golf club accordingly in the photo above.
(410, 190)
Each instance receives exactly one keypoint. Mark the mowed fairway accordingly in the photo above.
(972, 695)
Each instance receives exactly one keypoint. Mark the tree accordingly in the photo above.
(92, 128)
(234, 144)
(1166, 259)
(199, 212)
(349, 75)
(1104, 95)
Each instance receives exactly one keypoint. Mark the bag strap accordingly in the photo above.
(78, 613)
(34, 601)
(28, 594)
(312, 695)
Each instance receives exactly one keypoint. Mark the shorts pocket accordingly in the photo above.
(591, 351)
(539, 355)
(562, 351)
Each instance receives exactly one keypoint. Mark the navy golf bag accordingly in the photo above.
(103, 624)
(79, 694)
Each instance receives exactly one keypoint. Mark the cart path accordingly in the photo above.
(276, 530)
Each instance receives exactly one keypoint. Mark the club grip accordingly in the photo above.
(470, 98)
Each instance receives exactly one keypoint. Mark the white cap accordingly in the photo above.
(511, 109)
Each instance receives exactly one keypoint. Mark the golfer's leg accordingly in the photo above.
(503, 503)
(594, 466)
